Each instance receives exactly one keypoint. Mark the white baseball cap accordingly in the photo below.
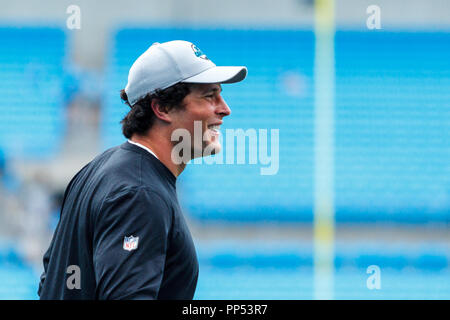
(165, 64)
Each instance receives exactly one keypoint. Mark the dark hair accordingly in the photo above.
(141, 116)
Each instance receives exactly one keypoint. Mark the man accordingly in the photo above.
(121, 233)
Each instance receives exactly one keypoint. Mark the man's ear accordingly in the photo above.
(160, 111)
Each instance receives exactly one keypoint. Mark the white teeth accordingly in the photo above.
(215, 127)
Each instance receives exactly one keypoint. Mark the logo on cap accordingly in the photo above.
(198, 52)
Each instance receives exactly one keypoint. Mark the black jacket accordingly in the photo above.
(121, 234)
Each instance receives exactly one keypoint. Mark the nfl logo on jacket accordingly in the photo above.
(130, 243)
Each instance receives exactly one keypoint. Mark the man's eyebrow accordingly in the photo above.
(213, 89)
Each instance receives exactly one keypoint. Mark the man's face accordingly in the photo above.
(204, 106)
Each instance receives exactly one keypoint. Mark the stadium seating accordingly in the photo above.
(18, 280)
(392, 120)
(32, 118)
(392, 126)
(281, 271)
(260, 271)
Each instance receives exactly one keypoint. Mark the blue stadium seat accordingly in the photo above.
(31, 86)
(392, 126)
(18, 280)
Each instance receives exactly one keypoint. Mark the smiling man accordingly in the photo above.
(122, 234)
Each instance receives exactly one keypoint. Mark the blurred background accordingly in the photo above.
(359, 91)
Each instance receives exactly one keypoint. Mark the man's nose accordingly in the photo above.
(222, 108)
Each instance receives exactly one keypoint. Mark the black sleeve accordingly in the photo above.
(48, 253)
(137, 273)
(44, 273)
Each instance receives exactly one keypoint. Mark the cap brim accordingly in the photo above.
(219, 75)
